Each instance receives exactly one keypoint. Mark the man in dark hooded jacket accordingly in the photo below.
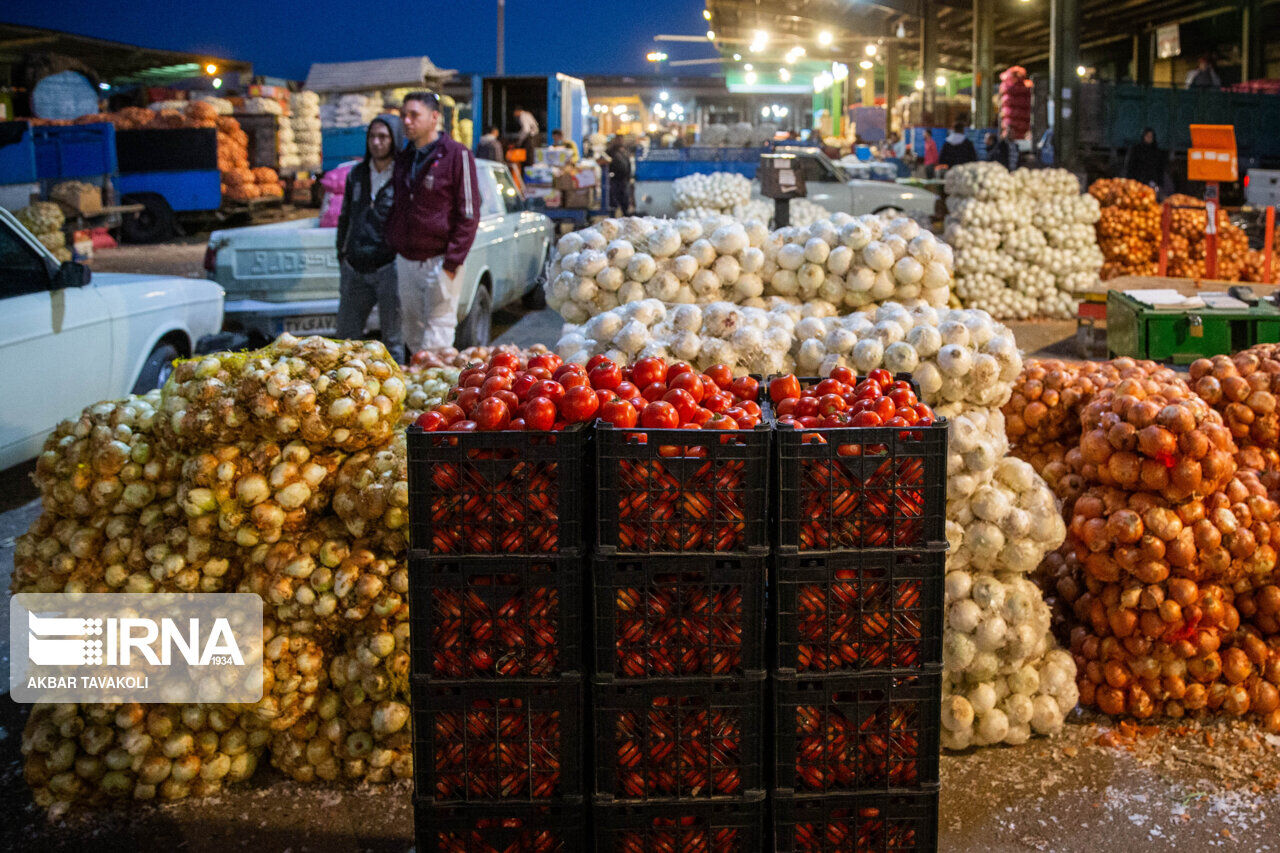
(367, 267)
(1146, 162)
(957, 149)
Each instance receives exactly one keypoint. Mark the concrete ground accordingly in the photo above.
(1093, 787)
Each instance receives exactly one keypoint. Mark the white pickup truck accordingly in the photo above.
(283, 277)
(827, 184)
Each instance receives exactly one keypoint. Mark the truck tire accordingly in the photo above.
(474, 329)
(157, 367)
(153, 224)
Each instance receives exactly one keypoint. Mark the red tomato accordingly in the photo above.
(807, 407)
(881, 376)
(579, 404)
(620, 413)
(835, 420)
(829, 404)
(539, 413)
(638, 403)
(885, 408)
(431, 421)
(463, 426)
(605, 375)
(789, 421)
(517, 425)
(550, 389)
(574, 380)
(627, 389)
(570, 367)
(451, 412)
(491, 414)
(647, 371)
(721, 374)
(748, 422)
(539, 373)
(495, 383)
(500, 370)
(865, 419)
(924, 412)
(596, 360)
(687, 381)
(683, 401)
(909, 414)
(676, 368)
(737, 413)
(844, 375)
(829, 386)
(751, 407)
(604, 395)
(902, 397)
(473, 379)
(807, 422)
(690, 425)
(512, 401)
(782, 387)
(467, 399)
(865, 404)
(505, 359)
(659, 415)
(720, 421)
(654, 391)
(868, 389)
(745, 388)
(701, 415)
(785, 408)
(717, 402)
(523, 385)
(547, 361)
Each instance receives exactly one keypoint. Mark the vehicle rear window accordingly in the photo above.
(21, 269)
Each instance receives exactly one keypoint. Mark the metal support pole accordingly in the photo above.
(502, 13)
(983, 61)
(1143, 52)
(928, 59)
(1252, 49)
(890, 83)
(1064, 55)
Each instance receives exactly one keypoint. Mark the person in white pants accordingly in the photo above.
(432, 223)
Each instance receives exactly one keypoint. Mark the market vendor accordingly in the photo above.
(558, 140)
(432, 223)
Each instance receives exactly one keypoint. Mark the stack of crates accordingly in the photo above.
(678, 582)
(496, 578)
(857, 606)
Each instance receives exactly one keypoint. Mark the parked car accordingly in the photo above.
(68, 339)
(826, 184)
(283, 277)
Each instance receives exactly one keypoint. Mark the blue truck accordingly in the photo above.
(557, 101)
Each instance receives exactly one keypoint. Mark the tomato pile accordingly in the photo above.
(676, 750)
(836, 753)
(501, 835)
(853, 829)
(498, 749)
(472, 638)
(859, 621)
(678, 627)
(680, 835)
(838, 494)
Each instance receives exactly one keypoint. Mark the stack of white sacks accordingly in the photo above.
(351, 110)
(304, 120)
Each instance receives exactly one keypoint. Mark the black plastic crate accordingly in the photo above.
(505, 492)
(873, 731)
(853, 823)
(688, 826)
(678, 616)
(484, 741)
(852, 611)
(694, 738)
(488, 828)
(860, 487)
(496, 617)
(682, 490)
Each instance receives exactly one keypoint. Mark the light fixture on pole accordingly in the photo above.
(711, 35)
(861, 82)
(706, 13)
(901, 31)
(920, 84)
(664, 96)
(871, 50)
(211, 69)
(940, 81)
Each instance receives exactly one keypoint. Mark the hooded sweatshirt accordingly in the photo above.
(957, 150)
(366, 203)
(1146, 162)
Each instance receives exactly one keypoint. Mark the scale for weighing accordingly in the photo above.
(1164, 325)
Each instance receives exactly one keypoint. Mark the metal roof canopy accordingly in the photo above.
(111, 60)
(369, 74)
(1021, 29)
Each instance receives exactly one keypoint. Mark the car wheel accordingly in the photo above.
(536, 299)
(156, 369)
(474, 329)
(153, 224)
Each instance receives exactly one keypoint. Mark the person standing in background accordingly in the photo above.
(1204, 75)
(558, 139)
(528, 135)
(957, 149)
(432, 224)
(1145, 161)
(618, 161)
(366, 264)
(1003, 150)
(489, 147)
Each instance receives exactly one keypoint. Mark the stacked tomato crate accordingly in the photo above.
(677, 691)
(857, 606)
(497, 573)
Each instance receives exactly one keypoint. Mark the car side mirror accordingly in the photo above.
(71, 274)
(537, 205)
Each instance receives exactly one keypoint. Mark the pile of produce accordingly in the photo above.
(1015, 101)
(1166, 583)
(44, 219)
(718, 192)
(286, 146)
(279, 471)
(1129, 234)
(1024, 241)
(223, 106)
(304, 119)
(350, 110)
(738, 134)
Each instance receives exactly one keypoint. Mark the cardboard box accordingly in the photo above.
(576, 199)
(77, 198)
(564, 181)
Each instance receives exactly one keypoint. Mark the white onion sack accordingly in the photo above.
(1033, 699)
(719, 191)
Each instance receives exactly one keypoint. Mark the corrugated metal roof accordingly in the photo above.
(374, 74)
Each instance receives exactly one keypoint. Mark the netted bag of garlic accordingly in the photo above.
(253, 492)
(345, 395)
(858, 261)
(94, 755)
(373, 490)
(1032, 699)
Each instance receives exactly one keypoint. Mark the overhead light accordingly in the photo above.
(748, 67)
(902, 30)
(211, 69)
(656, 56)
(737, 57)
(822, 81)
(861, 82)
(1081, 71)
(920, 84)
(764, 112)
(217, 82)
(782, 111)
(664, 96)
(839, 71)
(750, 78)
(759, 39)
(619, 110)
(825, 38)
(711, 35)
(784, 75)
(104, 86)
(706, 13)
(940, 80)
(871, 50)
(866, 65)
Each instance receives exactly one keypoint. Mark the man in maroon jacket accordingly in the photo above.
(432, 223)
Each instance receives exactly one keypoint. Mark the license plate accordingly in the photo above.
(309, 325)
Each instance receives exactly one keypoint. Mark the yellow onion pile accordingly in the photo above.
(373, 490)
